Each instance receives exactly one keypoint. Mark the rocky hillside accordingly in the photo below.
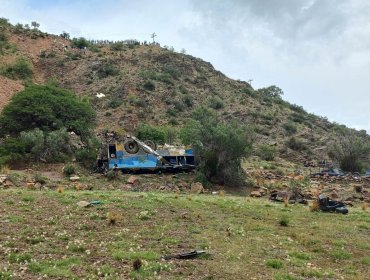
(133, 84)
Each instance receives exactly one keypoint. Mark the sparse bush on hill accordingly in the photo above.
(216, 103)
(21, 69)
(296, 144)
(118, 46)
(80, 43)
(106, 70)
(290, 127)
(219, 147)
(149, 85)
(271, 91)
(351, 152)
(3, 40)
(267, 152)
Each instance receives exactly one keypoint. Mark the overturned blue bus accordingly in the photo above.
(135, 155)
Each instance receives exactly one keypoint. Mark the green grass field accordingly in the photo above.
(45, 234)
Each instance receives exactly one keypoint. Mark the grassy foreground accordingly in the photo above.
(45, 234)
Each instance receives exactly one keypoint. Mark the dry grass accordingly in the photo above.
(113, 217)
(286, 200)
(4, 169)
(314, 205)
(364, 206)
(221, 193)
(60, 189)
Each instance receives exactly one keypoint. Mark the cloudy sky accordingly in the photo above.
(317, 51)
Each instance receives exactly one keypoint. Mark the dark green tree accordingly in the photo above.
(351, 152)
(219, 147)
(48, 108)
(80, 43)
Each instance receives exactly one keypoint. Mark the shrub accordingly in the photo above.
(80, 43)
(274, 263)
(351, 151)
(158, 134)
(267, 152)
(3, 41)
(118, 46)
(219, 148)
(69, 170)
(87, 156)
(284, 221)
(106, 70)
(21, 69)
(149, 85)
(295, 144)
(48, 108)
(188, 100)
(290, 128)
(216, 103)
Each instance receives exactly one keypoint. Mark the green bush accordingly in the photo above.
(149, 85)
(267, 152)
(106, 70)
(69, 170)
(80, 43)
(158, 134)
(3, 41)
(284, 221)
(219, 147)
(87, 156)
(216, 103)
(118, 46)
(21, 69)
(48, 108)
(351, 151)
(290, 128)
(274, 263)
(296, 144)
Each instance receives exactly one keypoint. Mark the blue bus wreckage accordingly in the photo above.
(134, 155)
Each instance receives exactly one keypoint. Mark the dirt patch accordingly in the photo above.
(8, 88)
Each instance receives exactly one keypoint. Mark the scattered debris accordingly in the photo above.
(83, 203)
(190, 255)
(328, 205)
(74, 178)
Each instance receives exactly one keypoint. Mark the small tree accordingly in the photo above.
(219, 147)
(35, 25)
(65, 35)
(48, 108)
(80, 43)
(351, 151)
(271, 91)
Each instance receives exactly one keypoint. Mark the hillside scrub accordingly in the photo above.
(219, 147)
(351, 152)
(21, 69)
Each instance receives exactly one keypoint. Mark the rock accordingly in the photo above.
(38, 186)
(83, 203)
(3, 178)
(196, 188)
(8, 184)
(256, 194)
(349, 203)
(334, 195)
(74, 178)
(133, 180)
(357, 188)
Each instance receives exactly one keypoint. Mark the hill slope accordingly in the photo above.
(150, 84)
